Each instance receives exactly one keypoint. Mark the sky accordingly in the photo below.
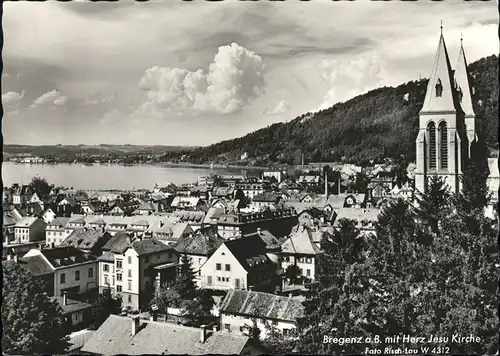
(195, 73)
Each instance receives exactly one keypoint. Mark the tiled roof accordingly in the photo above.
(85, 239)
(250, 251)
(26, 222)
(71, 305)
(269, 239)
(191, 216)
(301, 242)
(358, 214)
(222, 191)
(66, 256)
(59, 222)
(314, 212)
(107, 257)
(118, 243)
(157, 338)
(267, 197)
(204, 242)
(262, 305)
(36, 265)
(213, 213)
(148, 246)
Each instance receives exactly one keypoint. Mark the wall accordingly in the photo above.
(300, 261)
(223, 256)
(85, 283)
(237, 321)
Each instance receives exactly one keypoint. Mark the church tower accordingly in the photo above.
(441, 141)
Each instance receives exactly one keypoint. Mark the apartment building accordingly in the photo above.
(126, 268)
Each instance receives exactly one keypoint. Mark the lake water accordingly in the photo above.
(106, 176)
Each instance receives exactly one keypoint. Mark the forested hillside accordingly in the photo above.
(380, 123)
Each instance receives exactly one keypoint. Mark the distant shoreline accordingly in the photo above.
(164, 164)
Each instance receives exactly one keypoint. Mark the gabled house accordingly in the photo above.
(35, 199)
(240, 263)
(29, 229)
(300, 249)
(48, 215)
(251, 189)
(73, 271)
(183, 202)
(243, 309)
(120, 335)
(312, 217)
(21, 194)
(145, 209)
(266, 200)
(32, 209)
(199, 246)
(223, 192)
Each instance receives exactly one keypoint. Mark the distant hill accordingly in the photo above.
(380, 123)
(91, 149)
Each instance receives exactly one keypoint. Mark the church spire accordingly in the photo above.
(439, 95)
(464, 93)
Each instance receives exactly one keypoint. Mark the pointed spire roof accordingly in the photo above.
(462, 80)
(441, 75)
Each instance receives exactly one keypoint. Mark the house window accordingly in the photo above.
(91, 272)
(118, 263)
(63, 278)
(209, 280)
(129, 273)
(118, 276)
(275, 322)
(228, 267)
(129, 298)
(308, 272)
(218, 278)
(439, 88)
(129, 285)
(77, 275)
(242, 328)
(237, 283)
(218, 267)
(129, 260)
(227, 327)
(105, 268)
(106, 282)
(118, 288)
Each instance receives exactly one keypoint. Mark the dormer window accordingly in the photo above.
(439, 88)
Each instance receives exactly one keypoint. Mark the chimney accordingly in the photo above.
(258, 230)
(326, 184)
(65, 298)
(203, 333)
(135, 325)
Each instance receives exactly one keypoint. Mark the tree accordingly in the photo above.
(239, 195)
(165, 298)
(199, 308)
(184, 282)
(32, 322)
(103, 306)
(41, 187)
(293, 274)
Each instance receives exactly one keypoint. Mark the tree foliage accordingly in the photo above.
(293, 274)
(409, 279)
(103, 306)
(41, 187)
(32, 323)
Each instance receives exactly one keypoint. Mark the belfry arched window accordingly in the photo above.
(443, 145)
(431, 134)
(460, 94)
(439, 88)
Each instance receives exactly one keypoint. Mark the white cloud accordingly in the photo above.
(51, 99)
(234, 78)
(11, 98)
(282, 107)
(347, 79)
(99, 100)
